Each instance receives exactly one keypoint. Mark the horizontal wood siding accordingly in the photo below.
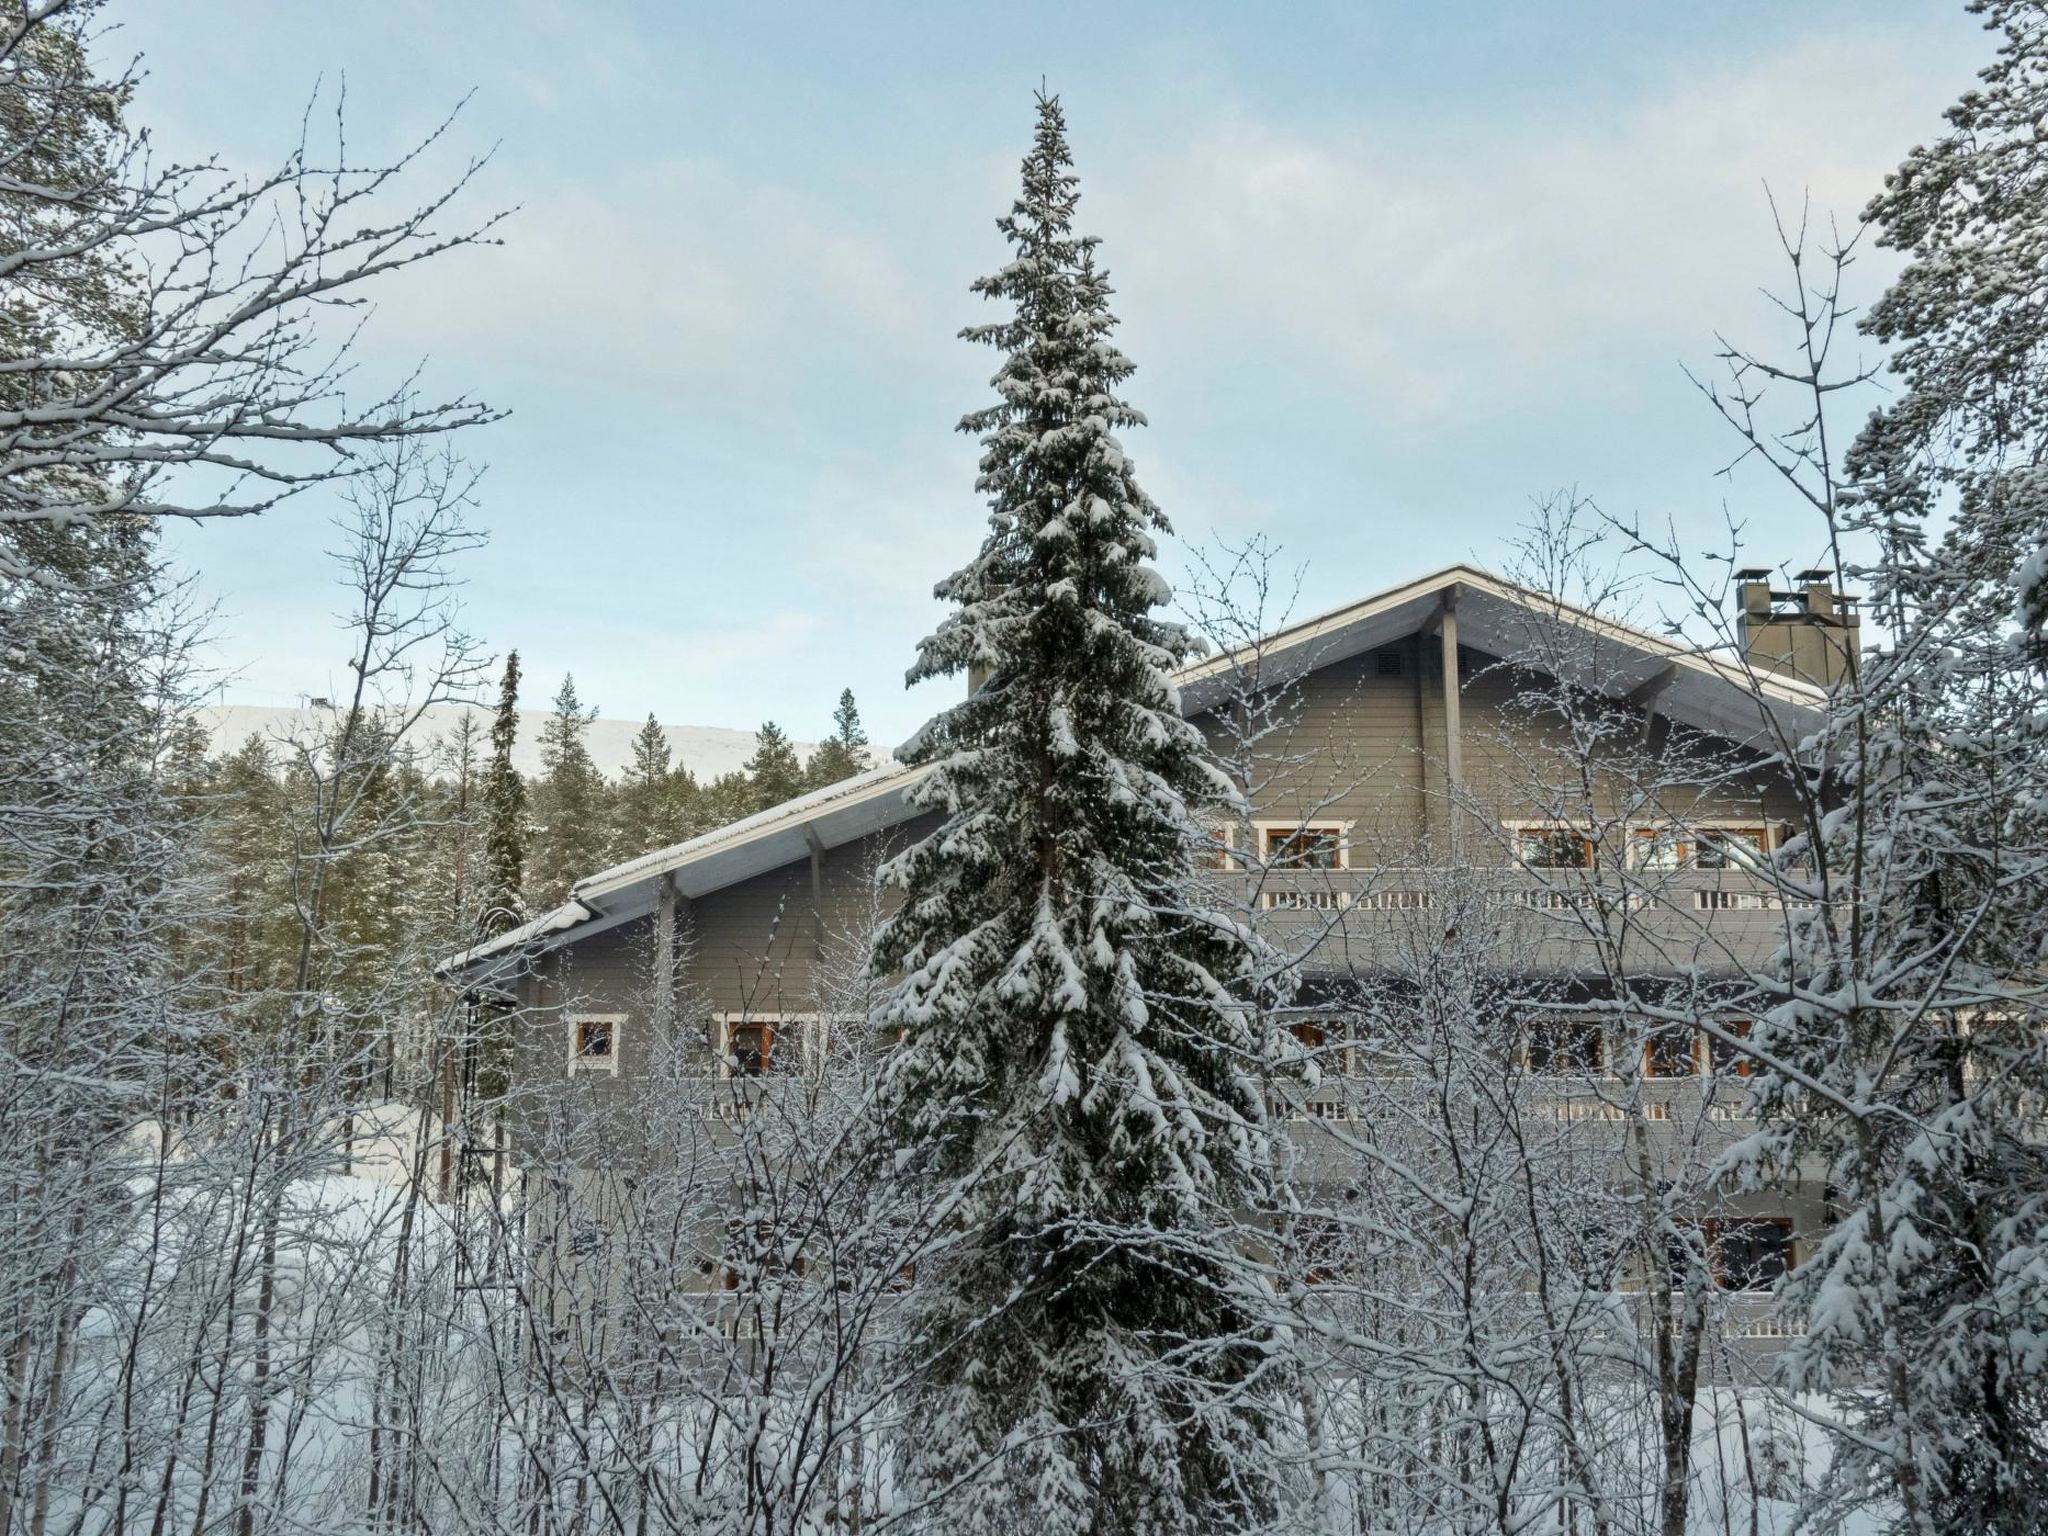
(762, 946)
(1363, 745)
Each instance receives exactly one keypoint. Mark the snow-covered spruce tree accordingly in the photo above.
(1080, 1055)
(1969, 328)
(1939, 1268)
(1905, 1046)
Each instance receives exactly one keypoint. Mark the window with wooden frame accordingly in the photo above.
(757, 1044)
(1323, 1045)
(1217, 850)
(1672, 1051)
(1564, 1047)
(1704, 846)
(594, 1042)
(1303, 845)
(1727, 1058)
(1733, 848)
(1540, 845)
(1751, 1253)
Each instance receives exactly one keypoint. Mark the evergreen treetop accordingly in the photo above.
(505, 830)
(571, 801)
(845, 752)
(774, 770)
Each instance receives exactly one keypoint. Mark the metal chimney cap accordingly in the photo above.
(1753, 573)
(1818, 575)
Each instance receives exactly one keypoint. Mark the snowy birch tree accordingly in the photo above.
(161, 351)
(1081, 1061)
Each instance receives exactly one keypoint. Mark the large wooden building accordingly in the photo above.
(1431, 739)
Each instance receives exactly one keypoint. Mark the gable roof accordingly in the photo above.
(1494, 615)
(1500, 617)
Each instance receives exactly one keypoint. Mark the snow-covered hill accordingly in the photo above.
(706, 750)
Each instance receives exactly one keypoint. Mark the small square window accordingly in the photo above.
(1213, 850)
(750, 1048)
(594, 1042)
(1565, 1047)
(1670, 1052)
(1732, 848)
(1731, 1060)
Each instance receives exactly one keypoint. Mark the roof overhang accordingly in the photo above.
(828, 818)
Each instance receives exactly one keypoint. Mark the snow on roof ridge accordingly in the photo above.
(554, 920)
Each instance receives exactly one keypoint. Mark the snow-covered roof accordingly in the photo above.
(829, 818)
(1493, 615)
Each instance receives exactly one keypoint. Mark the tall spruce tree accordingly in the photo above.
(1081, 1052)
(845, 752)
(654, 798)
(505, 826)
(570, 801)
(774, 771)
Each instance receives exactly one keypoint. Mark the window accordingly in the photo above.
(1552, 847)
(1733, 848)
(594, 1042)
(1564, 1047)
(1321, 1240)
(1591, 1251)
(1661, 848)
(1322, 1045)
(749, 1048)
(1304, 847)
(1730, 1060)
(757, 1044)
(1670, 1052)
(1675, 848)
(1751, 1254)
(1214, 849)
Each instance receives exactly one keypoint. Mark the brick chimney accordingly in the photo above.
(1812, 632)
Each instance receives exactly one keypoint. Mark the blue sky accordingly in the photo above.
(1387, 271)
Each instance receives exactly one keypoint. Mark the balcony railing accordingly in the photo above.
(1711, 919)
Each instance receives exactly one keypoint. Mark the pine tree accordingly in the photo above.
(773, 770)
(1080, 1050)
(845, 752)
(503, 904)
(656, 801)
(569, 802)
(1969, 328)
(1912, 1058)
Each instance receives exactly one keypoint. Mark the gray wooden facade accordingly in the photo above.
(1408, 728)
